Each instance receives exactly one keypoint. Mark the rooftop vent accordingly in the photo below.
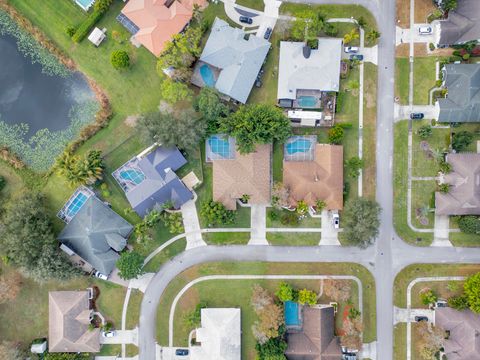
(306, 51)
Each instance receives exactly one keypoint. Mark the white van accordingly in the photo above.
(425, 30)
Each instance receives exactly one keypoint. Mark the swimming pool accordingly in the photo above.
(307, 101)
(207, 75)
(76, 204)
(290, 310)
(133, 175)
(300, 145)
(85, 4)
(220, 146)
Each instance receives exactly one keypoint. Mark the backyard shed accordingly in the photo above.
(97, 36)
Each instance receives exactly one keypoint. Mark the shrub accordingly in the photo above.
(289, 218)
(431, 46)
(353, 166)
(86, 26)
(193, 318)
(3, 182)
(472, 292)
(339, 103)
(458, 302)
(130, 265)
(428, 297)
(331, 29)
(466, 56)
(70, 31)
(307, 297)
(444, 188)
(424, 132)
(285, 292)
(216, 213)
(273, 215)
(102, 5)
(462, 140)
(469, 224)
(336, 135)
(120, 59)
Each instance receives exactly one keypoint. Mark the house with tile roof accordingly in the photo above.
(154, 22)
(463, 197)
(69, 317)
(462, 103)
(230, 61)
(97, 234)
(243, 174)
(318, 176)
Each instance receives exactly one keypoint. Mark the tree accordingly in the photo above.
(215, 213)
(330, 29)
(350, 36)
(193, 318)
(461, 140)
(424, 132)
(361, 22)
(472, 292)
(428, 296)
(302, 208)
(70, 31)
(336, 134)
(337, 290)
(448, 5)
(80, 170)
(320, 205)
(469, 224)
(120, 59)
(102, 5)
(209, 104)
(173, 221)
(270, 315)
(184, 131)
(361, 221)
(353, 167)
(458, 302)
(372, 36)
(307, 25)
(256, 124)
(272, 349)
(307, 297)
(280, 195)
(3, 182)
(444, 188)
(130, 265)
(285, 292)
(174, 91)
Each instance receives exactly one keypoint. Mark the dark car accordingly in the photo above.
(245, 19)
(268, 33)
(356, 57)
(421, 318)
(181, 352)
(417, 116)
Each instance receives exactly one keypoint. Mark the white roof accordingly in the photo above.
(320, 71)
(96, 36)
(300, 114)
(220, 335)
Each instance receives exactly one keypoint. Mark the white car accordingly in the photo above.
(425, 30)
(336, 220)
(99, 275)
(351, 49)
(108, 334)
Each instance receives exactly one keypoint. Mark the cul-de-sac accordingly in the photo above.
(239, 179)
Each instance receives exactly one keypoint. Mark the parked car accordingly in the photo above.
(417, 116)
(336, 220)
(245, 19)
(99, 275)
(425, 30)
(421, 318)
(441, 303)
(356, 57)
(181, 352)
(268, 33)
(351, 49)
(108, 334)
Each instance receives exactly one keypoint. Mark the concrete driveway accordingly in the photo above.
(403, 112)
(405, 35)
(122, 337)
(405, 315)
(168, 353)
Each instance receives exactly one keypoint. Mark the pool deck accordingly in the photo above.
(197, 79)
(63, 213)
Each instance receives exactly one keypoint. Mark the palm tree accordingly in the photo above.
(352, 35)
(373, 35)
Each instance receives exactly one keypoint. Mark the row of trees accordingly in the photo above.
(80, 170)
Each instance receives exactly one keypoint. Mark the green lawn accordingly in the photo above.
(402, 69)
(474, 129)
(400, 341)
(369, 130)
(460, 238)
(13, 184)
(400, 185)
(220, 293)
(252, 4)
(227, 238)
(306, 222)
(443, 290)
(277, 162)
(422, 192)
(423, 79)
(293, 239)
(133, 311)
(166, 254)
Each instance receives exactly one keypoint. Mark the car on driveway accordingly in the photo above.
(425, 30)
(181, 352)
(356, 57)
(109, 334)
(99, 275)
(245, 19)
(441, 303)
(351, 49)
(417, 116)
(336, 220)
(268, 33)
(421, 318)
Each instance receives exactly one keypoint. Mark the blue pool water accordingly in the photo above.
(290, 310)
(77, 202)
(85, 4)
(207, 75)
(299, 145)
(133, 175)
(307, 101)
(219, 146)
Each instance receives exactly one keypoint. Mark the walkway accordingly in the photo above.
(192, 225)
(259, 225)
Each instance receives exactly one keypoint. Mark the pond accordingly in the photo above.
(42, 111)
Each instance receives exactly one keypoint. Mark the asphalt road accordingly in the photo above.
(389, 255)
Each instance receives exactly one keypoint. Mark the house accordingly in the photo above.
(219, 335)
(462, 328)
(462, 103)
(315, 340)
(153, 22)
(308, 78)
(96, 234)
(239, 175)
(231, 61)
(313, 172)
(463, 197)
(149, 179)
(462, 24)
(69, 317)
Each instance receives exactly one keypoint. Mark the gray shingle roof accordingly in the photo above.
(320, 71)
(161, 184)
(462, 25)
(463, 99)
(93, 231)
(238, 59)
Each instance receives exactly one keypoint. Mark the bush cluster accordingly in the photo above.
(100, 8)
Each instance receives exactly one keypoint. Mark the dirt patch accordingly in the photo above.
(403, 13)
(402, 50)
(420, 49)
(443, 52)
(189, 300)
(369, 98)
(131, 121)
(422, 9)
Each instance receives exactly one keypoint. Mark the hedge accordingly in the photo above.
(87, 25)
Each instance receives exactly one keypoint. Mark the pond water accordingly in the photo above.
(31, 97)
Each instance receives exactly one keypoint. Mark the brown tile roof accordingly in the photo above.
(319, 179)
(463, 342)
(316, 340)
(157, 22)
(246, 174)
(464, 195)
(68, 320)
